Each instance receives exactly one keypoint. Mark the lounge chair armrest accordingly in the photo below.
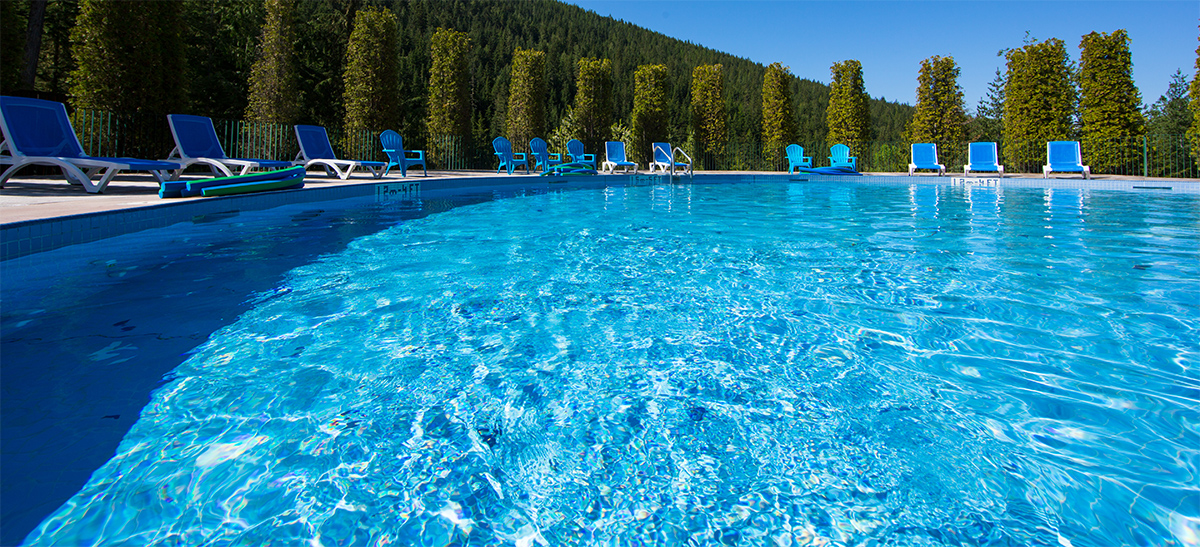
(420, 154)
(519, 156)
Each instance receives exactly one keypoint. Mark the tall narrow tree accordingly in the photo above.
(710, 123)
(449, 89)
(847, 117)
(130, 57)
(778, 123)
(940, 117)
(371, 77)
(1193, 133)
(527, 97)
(649, 109)
(593, 110)
(1039, 102)
(274, 92)
(1109, 102)
(989, 113)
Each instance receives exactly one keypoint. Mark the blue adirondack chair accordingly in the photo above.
(839, 156)
(575, 152)
(982, 157)
(196, 142)
(924, 156)
(393, 146)
(542, 157)
(614, 157)
(1064, 157)
(796, 158)
(508, 160)
(664, 159)
(38, 132)
(316, 150)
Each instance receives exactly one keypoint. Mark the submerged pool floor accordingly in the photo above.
(732, 364)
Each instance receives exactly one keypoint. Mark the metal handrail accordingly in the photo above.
(679, 150)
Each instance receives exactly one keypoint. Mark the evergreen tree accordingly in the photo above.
(449, 87)
(847, 117)
(649, 109)
(710, 126)
(1193, 133)
(130, 57)
(593, 111)
(1110, 105)
(527, 97)
(274, 93)
(940, 117)
(988, 122)
(371, 77)
(778, 123)
(1169, 115)
(1039, 103)
(13, 15)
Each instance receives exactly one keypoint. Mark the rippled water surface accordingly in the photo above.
(779, 364)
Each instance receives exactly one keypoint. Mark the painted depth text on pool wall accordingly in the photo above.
(390, 191)
(974, 181)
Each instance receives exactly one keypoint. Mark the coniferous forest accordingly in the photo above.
(221, 41)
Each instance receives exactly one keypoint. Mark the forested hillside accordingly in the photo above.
(221, 39)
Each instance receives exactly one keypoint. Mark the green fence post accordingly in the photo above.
(1145, 164)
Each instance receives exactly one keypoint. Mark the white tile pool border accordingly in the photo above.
(24, 238)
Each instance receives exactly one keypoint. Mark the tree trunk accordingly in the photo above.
(33, 42)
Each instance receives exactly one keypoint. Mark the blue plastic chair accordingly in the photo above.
(507, 158)
(982, 157)
(393, 146)
(542, 158)
(924, 156)
(38, 132)
(1064, 157)
(316, 150)
(839, 156)
(196, 142)
(575, 153)
(796, 158)
(664, 159)
(614, 157)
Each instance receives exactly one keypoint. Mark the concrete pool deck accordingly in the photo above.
(45, 197)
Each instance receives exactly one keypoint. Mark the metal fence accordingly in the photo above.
(148, 136)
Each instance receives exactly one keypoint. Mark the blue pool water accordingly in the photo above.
(743, 364)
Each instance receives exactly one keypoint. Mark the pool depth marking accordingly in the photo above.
(391, 191)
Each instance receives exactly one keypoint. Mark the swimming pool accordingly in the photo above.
(723, 364)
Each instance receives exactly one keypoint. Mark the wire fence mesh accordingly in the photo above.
(148, 136)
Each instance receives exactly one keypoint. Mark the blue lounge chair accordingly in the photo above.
(839, 156)
(982, 157)
(506, 156)
(1064, 157)
(796, 158)
(393, 146)
(38, 132)
(924, 156)
(664, 159)
(614, 157)
(575, 152)
(542, 157)
(196, 142)
(316, 150)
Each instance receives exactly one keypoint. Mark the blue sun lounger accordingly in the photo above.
(614, 157)
(196, 142)
(315, 149)
(38, 132)
(982, 157)
(924, 156)
(1064, 157)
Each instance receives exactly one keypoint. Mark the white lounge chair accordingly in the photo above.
(316, 150)
(924, 156)
(614, 157)
(982, 157)
(196, 142)
(1064, 157)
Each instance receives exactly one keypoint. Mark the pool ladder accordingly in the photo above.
(680, 151)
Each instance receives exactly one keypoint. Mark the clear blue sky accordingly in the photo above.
(891, 38)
